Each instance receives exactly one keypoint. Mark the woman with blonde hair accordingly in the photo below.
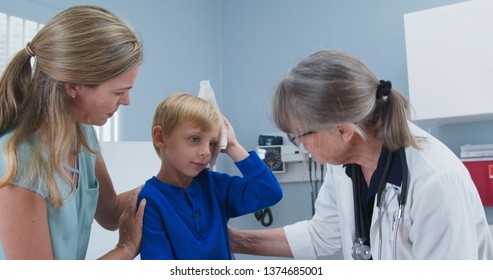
(75, 73)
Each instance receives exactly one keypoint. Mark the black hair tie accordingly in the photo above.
(383, 90)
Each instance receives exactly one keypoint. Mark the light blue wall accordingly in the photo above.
(244, 46)
(262, 39)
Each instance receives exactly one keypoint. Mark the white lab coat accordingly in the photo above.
(442, 219)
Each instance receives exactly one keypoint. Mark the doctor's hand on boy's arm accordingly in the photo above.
(234, 150)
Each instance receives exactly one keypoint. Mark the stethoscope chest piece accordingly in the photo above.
(360, 250)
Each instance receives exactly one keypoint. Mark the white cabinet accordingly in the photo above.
(450, 62)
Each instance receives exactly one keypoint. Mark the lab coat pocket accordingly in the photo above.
(390, 208)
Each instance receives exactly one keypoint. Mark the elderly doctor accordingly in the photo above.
(392, 191)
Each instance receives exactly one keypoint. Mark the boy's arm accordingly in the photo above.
(258, 188)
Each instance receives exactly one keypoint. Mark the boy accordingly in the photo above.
(188, 205)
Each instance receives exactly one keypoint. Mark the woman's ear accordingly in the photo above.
(158, 136)
(345, 131)
(70, 89)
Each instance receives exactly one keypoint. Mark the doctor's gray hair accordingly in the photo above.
(330, 87)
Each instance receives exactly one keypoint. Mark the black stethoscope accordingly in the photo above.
(361, 248)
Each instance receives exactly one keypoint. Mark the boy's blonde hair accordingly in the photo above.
(181, 108)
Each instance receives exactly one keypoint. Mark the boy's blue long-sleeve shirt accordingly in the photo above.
(192, 224)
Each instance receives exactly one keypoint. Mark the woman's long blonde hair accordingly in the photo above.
(84, 45)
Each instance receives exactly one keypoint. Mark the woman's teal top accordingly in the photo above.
(70, 225)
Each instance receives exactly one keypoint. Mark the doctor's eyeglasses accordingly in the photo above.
(296, 139)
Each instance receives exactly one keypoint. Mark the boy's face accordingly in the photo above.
(188, 150)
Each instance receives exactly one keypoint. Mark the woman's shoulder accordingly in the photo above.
(3, 140)
(23, 150)
(25, 177)
(434, 160)
(5, 137)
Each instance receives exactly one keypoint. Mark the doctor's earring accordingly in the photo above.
(360, 250)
